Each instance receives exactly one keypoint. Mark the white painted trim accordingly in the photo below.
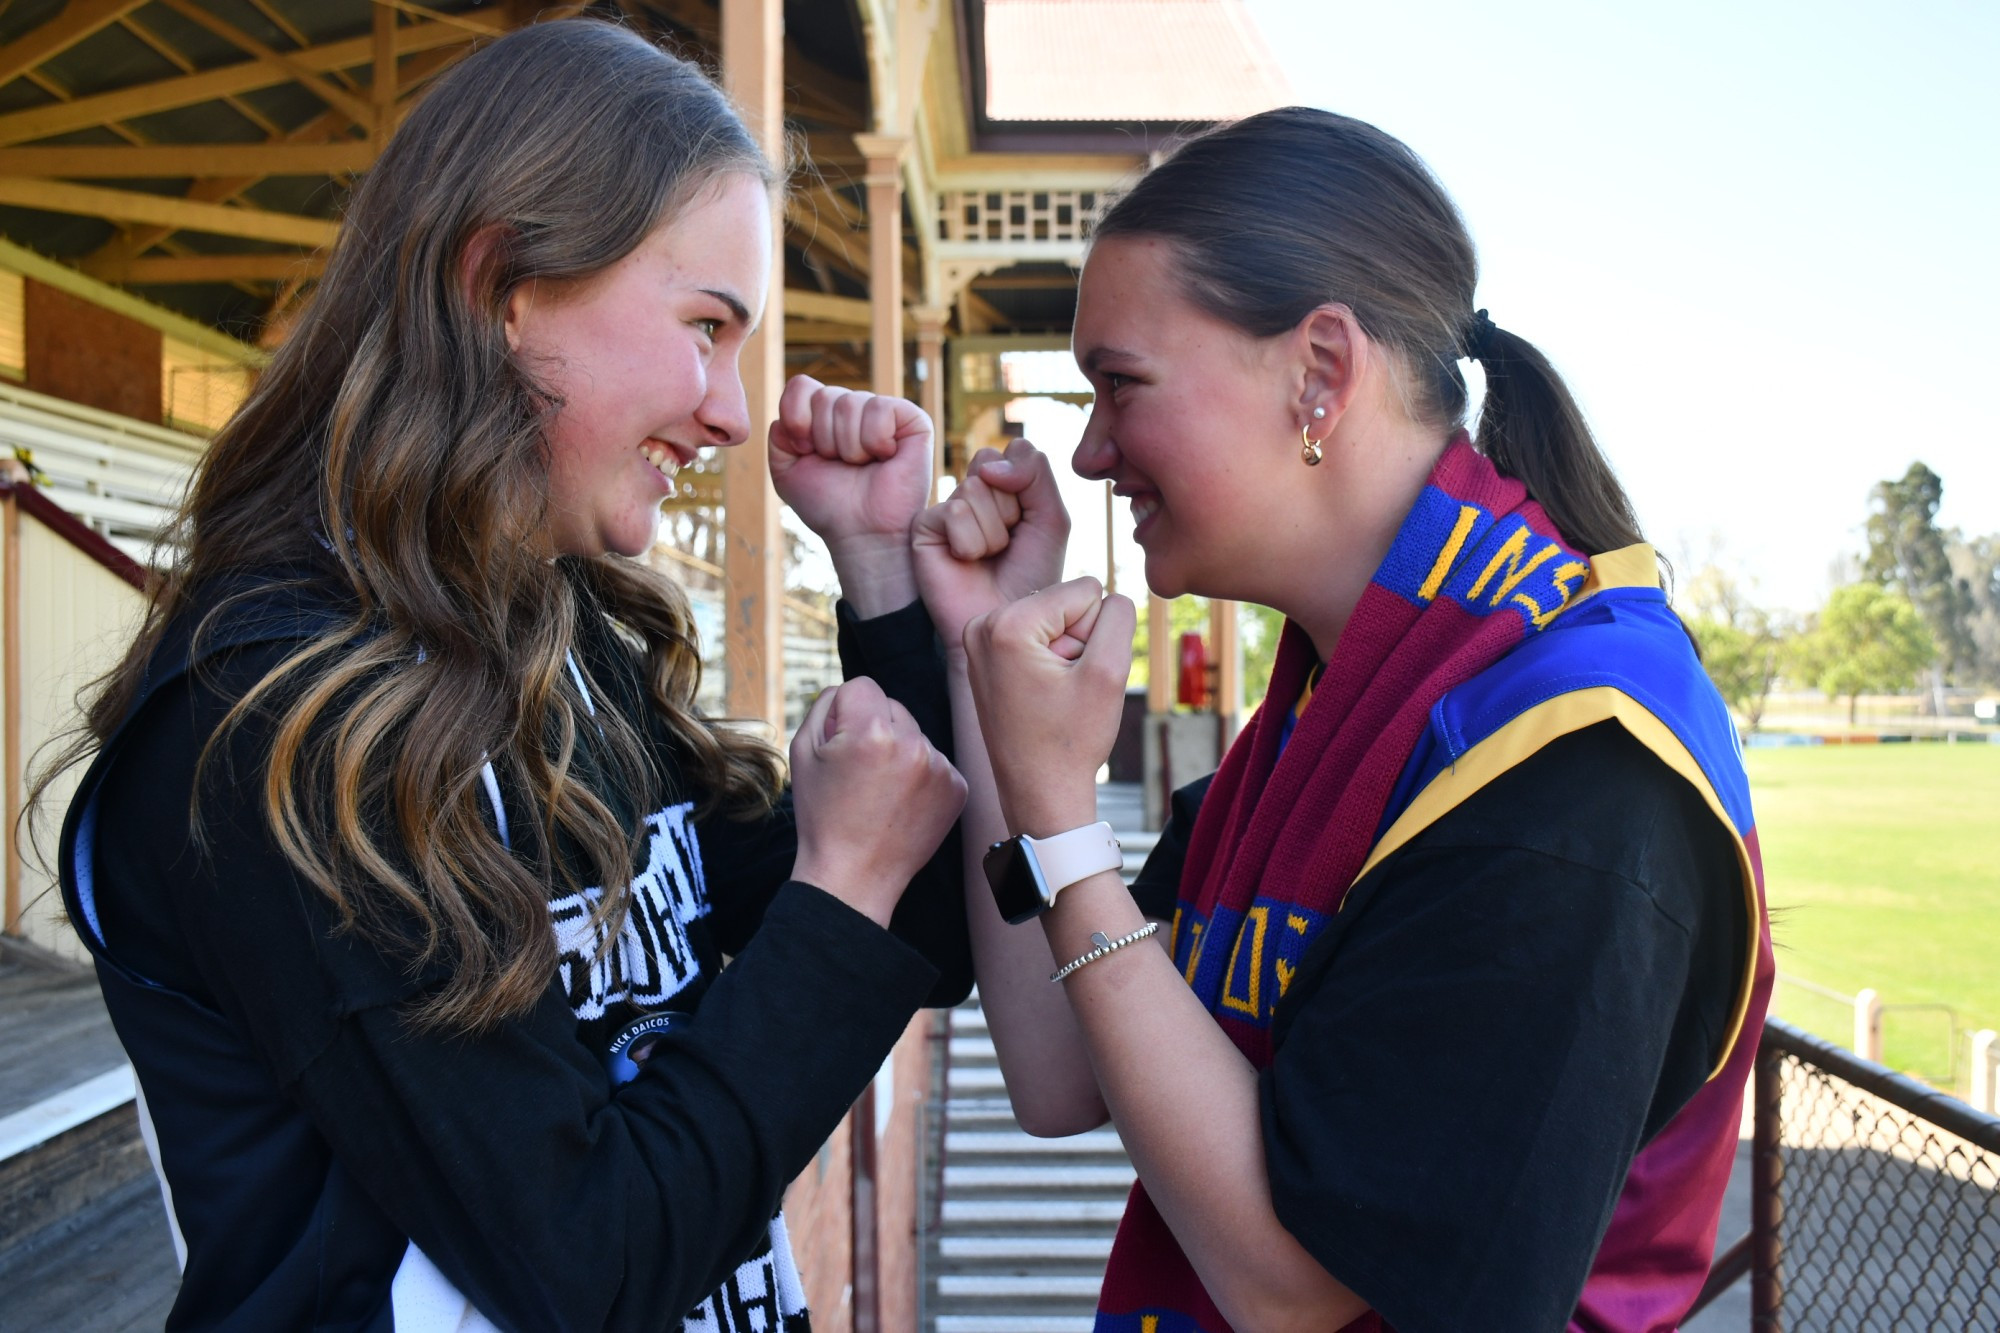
(37, 1124)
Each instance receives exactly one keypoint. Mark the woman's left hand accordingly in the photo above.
(856, 467)
(1048, 677)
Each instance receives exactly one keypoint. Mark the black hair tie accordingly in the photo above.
(1479, 337)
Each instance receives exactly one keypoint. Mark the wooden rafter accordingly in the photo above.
(156, 160)
(316, 131)
(174, 56)
(190, 89)
(814, 331)
(73, 22)
(356, 110)
(841, 310)
(488, 22)
(811, 88)
(210, 268)
(166, 211)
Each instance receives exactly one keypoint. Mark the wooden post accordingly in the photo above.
(1986, 1071)
(1868, 1025)
(10, 686)
(884, 155)
(753, 563)
(1159, 656)
(1224, 650)
(1110, 538)
(930, 321)
(1767, 1203)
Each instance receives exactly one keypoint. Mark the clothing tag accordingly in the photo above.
(634, 1042)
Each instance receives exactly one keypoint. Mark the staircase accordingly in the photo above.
(84, 1242)
(1025, 1223)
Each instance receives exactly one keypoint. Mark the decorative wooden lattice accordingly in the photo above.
(998, 217)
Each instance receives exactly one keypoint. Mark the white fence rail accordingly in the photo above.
(122, 477)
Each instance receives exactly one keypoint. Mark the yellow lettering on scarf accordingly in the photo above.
(1255, 921)
(1510, 554)
(1296, 922)
(1467, 516)
(1285, 974)
(1149, 1323)
(1194, 952)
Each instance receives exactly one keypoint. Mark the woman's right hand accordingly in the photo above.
(1048, 677)
(995, 539)
(873, 798)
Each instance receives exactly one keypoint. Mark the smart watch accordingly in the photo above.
(1027, 873)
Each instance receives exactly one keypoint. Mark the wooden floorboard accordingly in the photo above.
(52, 1026)
(108, 1269)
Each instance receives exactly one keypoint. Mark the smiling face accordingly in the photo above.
(643, 360)
(1194, 422)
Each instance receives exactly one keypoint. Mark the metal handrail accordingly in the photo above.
(1758, 1253)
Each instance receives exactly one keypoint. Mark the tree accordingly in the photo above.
(1976, 563)
(1742, 663)
(1907, 551)
(1261, 628)
(1868, 640)
(1742, 645)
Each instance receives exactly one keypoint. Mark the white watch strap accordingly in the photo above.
(1078, 854)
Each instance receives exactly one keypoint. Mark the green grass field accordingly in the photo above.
(1883, 868)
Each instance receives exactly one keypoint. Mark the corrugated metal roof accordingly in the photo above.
(1126, 60)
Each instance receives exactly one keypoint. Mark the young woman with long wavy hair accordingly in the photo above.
(409, 864)
(1465, 947)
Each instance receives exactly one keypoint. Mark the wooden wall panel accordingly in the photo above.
(76, 619)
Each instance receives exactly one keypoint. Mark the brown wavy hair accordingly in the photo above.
(396, 439)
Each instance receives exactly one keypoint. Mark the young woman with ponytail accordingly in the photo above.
(407, 860)
(1464, 948)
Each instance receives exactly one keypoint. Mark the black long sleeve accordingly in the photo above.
(548, 1198)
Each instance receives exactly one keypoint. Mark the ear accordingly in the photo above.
(1331, 355)
(479, 272)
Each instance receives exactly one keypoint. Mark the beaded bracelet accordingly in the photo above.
(1104, 946)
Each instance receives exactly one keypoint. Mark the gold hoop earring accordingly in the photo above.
(1311, 451)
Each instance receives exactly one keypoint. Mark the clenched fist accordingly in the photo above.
(873, 797)
(1048, 677)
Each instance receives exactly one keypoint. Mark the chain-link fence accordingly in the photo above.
(1875, 1200)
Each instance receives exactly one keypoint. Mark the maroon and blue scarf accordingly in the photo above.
(1288, 821)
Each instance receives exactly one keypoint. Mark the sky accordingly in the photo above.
(1758, 239)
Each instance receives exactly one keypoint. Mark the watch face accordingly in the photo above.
(1019, 890)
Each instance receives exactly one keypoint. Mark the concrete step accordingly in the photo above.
(1034, 1248)
(1026, 1223)
(1062, 1177)
(972, 1050)
(977, 1079)
(1032, 1288)
(1033, 1212)
(962, 1143)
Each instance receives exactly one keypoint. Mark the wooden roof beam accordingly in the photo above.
(354, 108)
(318, 130)
(209, 268)
(166, 211)
(823, 95)
(198, 160)
(73, 22)
(810, 305)
(191, 89)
